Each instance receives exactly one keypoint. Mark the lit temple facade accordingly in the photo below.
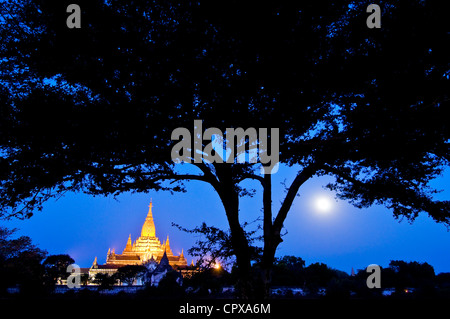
(146, 250)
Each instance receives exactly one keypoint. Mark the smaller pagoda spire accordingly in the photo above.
(94, 264)
(167, 247)
(108, 255)
(181, 258)
(128, 247)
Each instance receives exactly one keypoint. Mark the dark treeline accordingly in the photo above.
(400, 279)
(94, 110)
(24, 265)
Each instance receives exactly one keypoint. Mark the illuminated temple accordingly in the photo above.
(146, 248)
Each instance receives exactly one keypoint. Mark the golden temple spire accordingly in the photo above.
(94, 264)
(148, 229)
(181, 257)
(128, 246)
(167, 247)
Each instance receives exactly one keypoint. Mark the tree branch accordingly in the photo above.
(341, 174)
(252, 176)
(176, 177)
(299, 180)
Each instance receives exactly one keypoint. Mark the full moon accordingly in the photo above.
(323, 204)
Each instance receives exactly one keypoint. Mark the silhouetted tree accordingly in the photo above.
(401, 275)
(20, 262)
(289, 271)
(92, 109)
(443, 283)
(215, 246)
(55, 266)
(412, 275)
(104, 281)
(170, 285)
(129, 273)
(318, 275)
(208, 280)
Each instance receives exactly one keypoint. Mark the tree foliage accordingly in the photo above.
(56, 267)
(92, 109)
(411, 274)
(214, 245)
(20, 262)
(129, 273)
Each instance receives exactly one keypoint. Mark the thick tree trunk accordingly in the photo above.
(245, 283)
(242, 252)
(268, 253)
(272, 228)
(229, 196)
(230, 201)
(271, 239)
(266, 271)
(271, 242)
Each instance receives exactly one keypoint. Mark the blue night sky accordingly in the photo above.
(84, 226)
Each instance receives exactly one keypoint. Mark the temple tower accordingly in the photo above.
(148, 229)
(145, 248)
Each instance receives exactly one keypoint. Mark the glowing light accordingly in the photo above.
(323, 204)
(217, 265)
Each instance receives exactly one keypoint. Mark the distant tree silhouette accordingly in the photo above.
(104, 281)
(443, 283)
(129, 273)
(289, 271)
(55, 266)
(412, 275)
(318, 275)
(169, 286)
(92, 109)
(400, 275)
(20, 262)
(208, 280)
